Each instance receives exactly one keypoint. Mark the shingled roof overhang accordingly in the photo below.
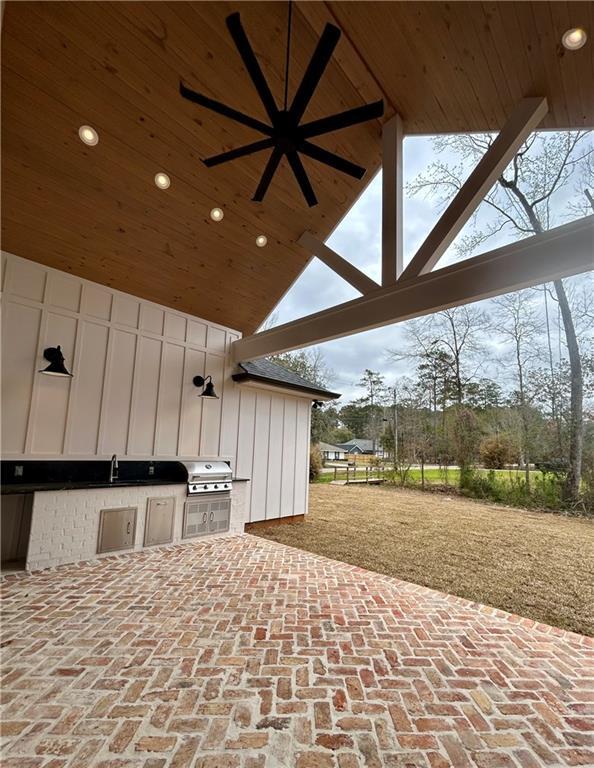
(267, 372)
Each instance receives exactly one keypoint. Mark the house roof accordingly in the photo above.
(265, 371)
(361, 443)
(330, 447)
(95, 211)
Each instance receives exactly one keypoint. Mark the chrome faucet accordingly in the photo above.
(113, 468)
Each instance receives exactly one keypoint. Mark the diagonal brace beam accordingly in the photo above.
(523, 120)
(341, 266)
(558, 253)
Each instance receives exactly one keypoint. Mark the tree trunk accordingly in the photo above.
(524, 412)
(576, 418)
(554, 410)
(571, 489)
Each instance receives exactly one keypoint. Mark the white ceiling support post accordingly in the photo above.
(392, 196)
(341, 266)
(523, 120)
(560, 252)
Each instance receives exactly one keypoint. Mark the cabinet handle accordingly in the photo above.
(204, 516)
(128, 527)
(211, 516)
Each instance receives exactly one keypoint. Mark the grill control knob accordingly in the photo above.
(205, 487)
(216, 486)
(225, 486)
(193, 487)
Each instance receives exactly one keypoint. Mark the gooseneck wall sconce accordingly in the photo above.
(208, 390)
(56, 365)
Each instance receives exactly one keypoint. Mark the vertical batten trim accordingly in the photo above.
(34, 405)
(74, 387)
(100, 449)
(180, 415)
(133, 393)
(307, 448)
(252, 484)
(201, 406)
(268, 453)
(282, 462)
(159, 384)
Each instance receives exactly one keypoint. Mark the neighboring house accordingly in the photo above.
(361, 446)
(332, 452)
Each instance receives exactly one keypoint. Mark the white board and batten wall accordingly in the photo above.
(132, 393)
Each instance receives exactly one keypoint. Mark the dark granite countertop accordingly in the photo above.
(81, 485)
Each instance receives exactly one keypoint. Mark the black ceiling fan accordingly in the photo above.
(286, 135)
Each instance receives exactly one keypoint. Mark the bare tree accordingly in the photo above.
(516, 320)
(454, 338)
(528, 198)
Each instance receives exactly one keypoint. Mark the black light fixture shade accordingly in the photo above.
(286, 135)
(56, 365)
(209, 390)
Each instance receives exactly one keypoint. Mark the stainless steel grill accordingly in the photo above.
(208, 477)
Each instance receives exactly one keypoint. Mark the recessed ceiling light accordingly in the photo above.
(162, 180)
(217, 214)
(574, 38)
(88, 135)
(261, 241)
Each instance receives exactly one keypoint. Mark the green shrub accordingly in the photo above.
(587, 496)
(544, 492)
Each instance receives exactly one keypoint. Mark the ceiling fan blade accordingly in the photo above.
(250, 61)
(233, 154)
(269, 172)
(342, 119)
(315, 70)
(223, 109)
(331, 159)
(302, 178)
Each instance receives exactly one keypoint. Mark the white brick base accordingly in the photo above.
(65, 524)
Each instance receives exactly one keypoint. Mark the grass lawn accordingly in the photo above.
(432, 476)
(535, 564)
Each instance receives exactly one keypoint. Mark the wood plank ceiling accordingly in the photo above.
(95, 211)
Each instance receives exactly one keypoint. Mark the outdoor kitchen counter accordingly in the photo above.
(10, 488)
(80, 485)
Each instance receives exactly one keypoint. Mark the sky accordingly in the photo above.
(358, 239)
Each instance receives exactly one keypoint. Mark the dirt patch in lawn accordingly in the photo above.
(534, 564)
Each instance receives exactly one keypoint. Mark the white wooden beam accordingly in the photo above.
(392, 196)
(341, 266)
(523, 120)
(560, 252)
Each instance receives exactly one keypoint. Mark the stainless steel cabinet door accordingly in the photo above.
(218, 516)
(116, 529)
(159, 521)
(195, 518)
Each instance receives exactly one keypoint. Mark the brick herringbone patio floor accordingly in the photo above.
(242, 652)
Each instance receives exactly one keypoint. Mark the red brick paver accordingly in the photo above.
(244, 653)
